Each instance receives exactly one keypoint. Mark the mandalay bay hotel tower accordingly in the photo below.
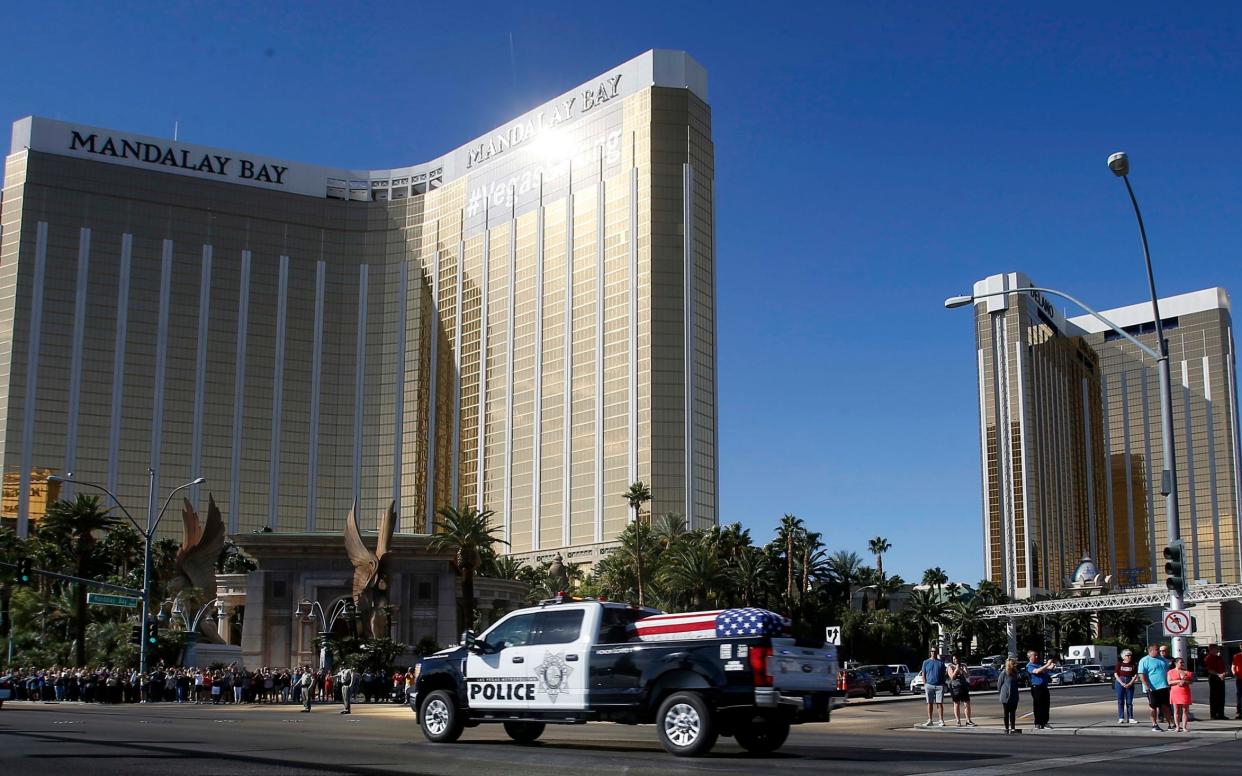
(1071, 447)
(525, 324)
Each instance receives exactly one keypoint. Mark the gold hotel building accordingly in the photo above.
(1070, 439)
(524, 324)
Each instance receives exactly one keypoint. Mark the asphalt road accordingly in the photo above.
(52, 739)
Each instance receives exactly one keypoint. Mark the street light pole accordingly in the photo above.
(1119, 163)
(148, 536)
(1169, 478)
(146, 569)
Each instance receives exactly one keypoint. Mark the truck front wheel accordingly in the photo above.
(524, 732)
(686, 725)
(440, 718)
(762, 736)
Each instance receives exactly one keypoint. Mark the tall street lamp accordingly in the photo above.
(148, 536)
(1166, 417)
(1119, 163)
(190, 622)
(312, 610)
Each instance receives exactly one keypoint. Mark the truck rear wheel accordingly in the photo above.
(762, 736)
(686, 725)
(439, 718)
(524, 732)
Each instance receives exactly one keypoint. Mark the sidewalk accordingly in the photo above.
(1097, 718)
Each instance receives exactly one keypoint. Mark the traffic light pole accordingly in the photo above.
(1168, 479)
(79, 580)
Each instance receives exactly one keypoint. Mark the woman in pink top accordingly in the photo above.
(1179, 694)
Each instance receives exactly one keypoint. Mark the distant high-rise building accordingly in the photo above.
(1070, 439)
(524, 324)
(1199, 329)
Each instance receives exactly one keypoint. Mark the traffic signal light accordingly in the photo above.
(25, 572)
(152, 635)
(1175, 567)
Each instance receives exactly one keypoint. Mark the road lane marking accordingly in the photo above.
(1031, 766)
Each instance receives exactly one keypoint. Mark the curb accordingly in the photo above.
(1087, 730)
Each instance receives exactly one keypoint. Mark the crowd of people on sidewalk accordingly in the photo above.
(1166, 683)
(231, 685)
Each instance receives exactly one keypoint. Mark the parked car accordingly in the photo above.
(859, 684)
(885, 678)
(1095, 673)
(983, 678)
(916, 684)
(1071, 675)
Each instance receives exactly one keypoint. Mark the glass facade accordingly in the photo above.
(1070, 423)
(525, 325)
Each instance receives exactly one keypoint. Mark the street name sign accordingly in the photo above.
(102, 599)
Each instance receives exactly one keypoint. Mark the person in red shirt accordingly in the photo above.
(1125, 677)
(1237, 677)
(1217, 670)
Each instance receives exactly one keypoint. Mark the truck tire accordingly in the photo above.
(524, 732)
(762, 736)
(439, 718)
(686, 725)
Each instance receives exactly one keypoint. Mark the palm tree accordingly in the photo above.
(885, 589)
(845, 567)
(963, 616)
(927, 611)
(788, 533)
(814, 559)
(75, 523)
(692, 569)
(467, 533)
(503, 567)
(749, 573)
(637, 495)
(668, 528)
(878, 546)
(935, 577)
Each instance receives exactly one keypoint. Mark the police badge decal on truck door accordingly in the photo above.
(552, 674)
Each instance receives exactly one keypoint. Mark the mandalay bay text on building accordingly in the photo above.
(525, 324)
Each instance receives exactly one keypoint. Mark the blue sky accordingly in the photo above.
(871, 159)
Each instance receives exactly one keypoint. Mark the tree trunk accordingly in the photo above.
(638, 554)
(467, 595)
(79, 649)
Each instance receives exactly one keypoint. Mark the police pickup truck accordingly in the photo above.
(576, 661)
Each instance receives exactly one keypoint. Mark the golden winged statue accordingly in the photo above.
(371, 571)
(195, 577)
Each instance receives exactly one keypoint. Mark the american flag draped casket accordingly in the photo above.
(716, 624)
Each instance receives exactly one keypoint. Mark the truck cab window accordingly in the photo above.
(615, 622)
(513, 632)
(558, 627)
